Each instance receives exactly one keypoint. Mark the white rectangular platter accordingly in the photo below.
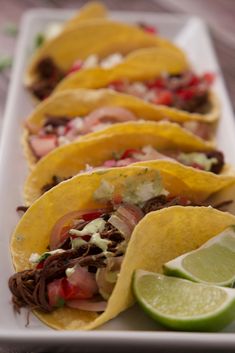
(131, 330)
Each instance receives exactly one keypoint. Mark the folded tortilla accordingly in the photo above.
(96, 36)
(81, 102)
(159, 237)
(71, 159)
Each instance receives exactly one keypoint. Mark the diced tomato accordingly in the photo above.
(117, 199)
(129, 152)
(197, 166)
(110, 163)
(186, 94)
(209, 77)
(40, 265)
(117, 85)
(194, 80)
(149, 29)
(55, 293)
(76, 66)
(164, 98)
(158, 83)
(80, 285)
(43, 145)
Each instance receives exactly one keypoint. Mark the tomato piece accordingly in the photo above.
(117, 85)
(158, 83)
(209, 77)
(56, 293)
(77, 65)
(186, 94)
(43, 145)
(40, 265)
(129, 152)
(194, 80)
(148, 28)
(197, 166)
(164, 98)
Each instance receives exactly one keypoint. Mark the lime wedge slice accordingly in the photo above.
(213, 262)
(184, 305)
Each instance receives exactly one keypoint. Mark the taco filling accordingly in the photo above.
(212, 161)
(59, 130)
(86, 249)
(185, 91)
(49, 74)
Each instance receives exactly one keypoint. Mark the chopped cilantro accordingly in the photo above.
(60, 302)
(11, 29)
(39, 40)
(5, 62)
(44, 256)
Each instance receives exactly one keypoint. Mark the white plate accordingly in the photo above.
(132, 328)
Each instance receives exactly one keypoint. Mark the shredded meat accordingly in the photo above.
(216, 167)
(29, 287)
(55, 180)
(21, 209)
(198, 103)
(159, 202)
(49, 74)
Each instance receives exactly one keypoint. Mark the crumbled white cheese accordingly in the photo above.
(111, 61)
(53, 30)
(91, 61)
(34, 258)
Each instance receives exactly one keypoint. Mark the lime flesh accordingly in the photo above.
(213, 263)
(184, 305)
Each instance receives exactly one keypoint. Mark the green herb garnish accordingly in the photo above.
(39, 40)
(5, 62)
(60, 303)
(11, 29)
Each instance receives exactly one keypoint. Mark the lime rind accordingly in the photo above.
(212, 321)
(212, 263)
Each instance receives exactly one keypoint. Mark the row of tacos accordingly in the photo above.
(124, 172)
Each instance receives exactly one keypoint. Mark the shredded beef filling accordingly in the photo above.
(55, 181)
(29, 287)
(49, 74)
(216, 167)
(162, 201)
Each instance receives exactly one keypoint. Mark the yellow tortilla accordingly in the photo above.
(70, 159)
(98, 36)
(142, 64)
(158, 238)
(91, 10)
(81, 102)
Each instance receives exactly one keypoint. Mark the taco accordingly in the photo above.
(184, 92)
(122, 145)
(83, 280)
(88, 44)
(69, 115)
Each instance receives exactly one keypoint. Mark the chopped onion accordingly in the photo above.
(107, 114)
(55, 238)
(84, 280)
(87, 305)
(121, 224)
(131, 213)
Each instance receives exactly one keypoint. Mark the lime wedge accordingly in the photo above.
(184, 305)
(213, 262)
